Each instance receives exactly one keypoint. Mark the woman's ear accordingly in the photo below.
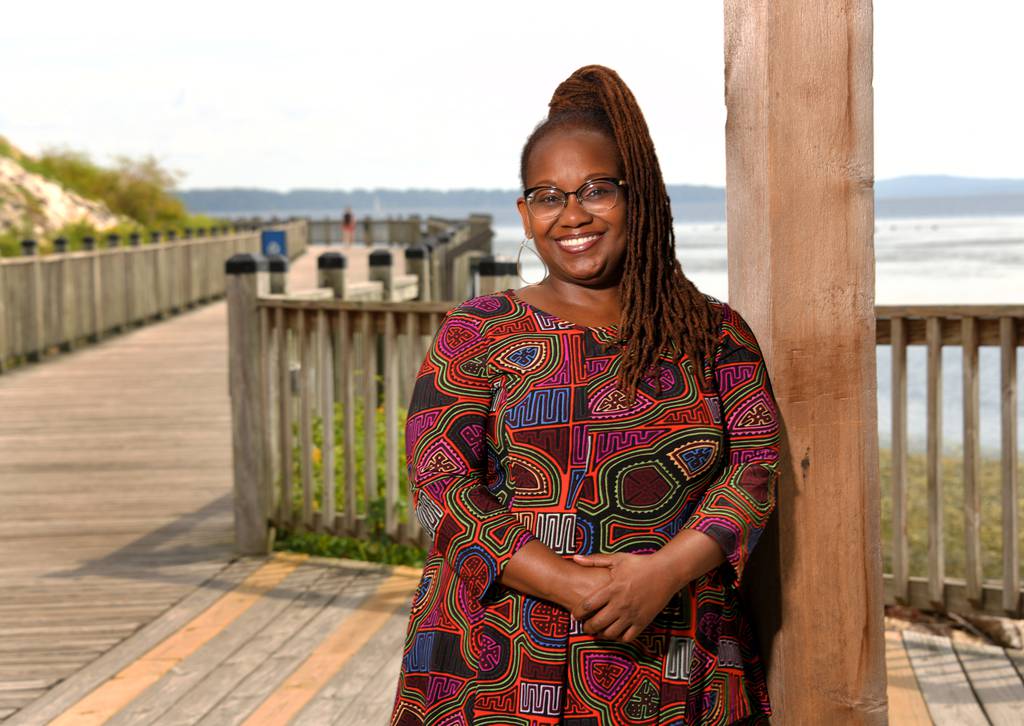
(524, 212)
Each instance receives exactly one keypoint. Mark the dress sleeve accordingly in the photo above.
(446, 455)
(735, 508)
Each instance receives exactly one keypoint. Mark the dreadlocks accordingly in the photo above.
(661, 309)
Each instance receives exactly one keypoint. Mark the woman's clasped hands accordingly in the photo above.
(622, 593)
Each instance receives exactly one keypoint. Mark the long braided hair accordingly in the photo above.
(662, 310)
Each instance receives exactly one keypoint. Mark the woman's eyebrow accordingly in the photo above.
(588, 177)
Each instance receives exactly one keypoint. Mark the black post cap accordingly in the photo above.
(154, 237)
(28, 247)
(277, 263)
(201, 232)
(172, 235)
(443, 239)
(331, 261)
(135, 239)
(88, 243)
(188, 232)
(113, 240)
(380, 258)
(416, 252)
(511, 268)
(60, 245)
(245, 264)
(490, 267)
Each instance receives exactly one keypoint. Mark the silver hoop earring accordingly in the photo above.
(519, 269)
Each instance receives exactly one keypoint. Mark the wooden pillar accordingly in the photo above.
(247, 280)
(799, 150)
(35, 320)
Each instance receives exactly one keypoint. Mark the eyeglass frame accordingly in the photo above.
(527, 193)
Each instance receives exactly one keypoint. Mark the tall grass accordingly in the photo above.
(952, 512)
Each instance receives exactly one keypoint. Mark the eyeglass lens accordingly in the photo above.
(596, 197)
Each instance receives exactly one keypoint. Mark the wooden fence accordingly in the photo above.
(59, 301)
(968, 327)
(309, 373)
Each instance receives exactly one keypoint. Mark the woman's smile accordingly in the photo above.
(575, 244)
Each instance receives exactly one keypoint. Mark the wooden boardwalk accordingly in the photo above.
(124, 604)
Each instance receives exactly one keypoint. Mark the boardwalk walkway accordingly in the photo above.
(122, 601)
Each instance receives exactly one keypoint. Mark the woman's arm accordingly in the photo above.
(730, 516)
(446, 454)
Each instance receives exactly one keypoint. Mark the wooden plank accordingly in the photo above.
(995, 681)
(906, 704)
(390, 369)
(369, 342)
(306, 372)
(972, 461)
(178, 683)
(1010, 484)
(73, 689)
(361, 682)
(103, 703)
(323, 327)
(222, 682)
(269, 675)
(942, 681)
(344, 642)
(900, 540)
(284, 415)
(936, 550)
(347, 362)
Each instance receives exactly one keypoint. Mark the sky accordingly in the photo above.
(442, 95)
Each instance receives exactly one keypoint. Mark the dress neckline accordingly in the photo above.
(512, 294)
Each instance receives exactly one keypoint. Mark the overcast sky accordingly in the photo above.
(443, 94)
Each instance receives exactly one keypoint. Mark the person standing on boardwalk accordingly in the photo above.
(348, 227)
(595, 457)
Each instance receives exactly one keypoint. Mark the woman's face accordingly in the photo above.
(567, 159)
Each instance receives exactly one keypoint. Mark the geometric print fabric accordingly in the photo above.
(517, 432)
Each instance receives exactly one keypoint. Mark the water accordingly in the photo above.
(954, 261)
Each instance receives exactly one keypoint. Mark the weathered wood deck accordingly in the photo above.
(123, 603)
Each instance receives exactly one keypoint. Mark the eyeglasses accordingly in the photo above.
(596, 196)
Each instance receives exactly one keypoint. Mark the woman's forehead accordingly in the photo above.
(567, 154)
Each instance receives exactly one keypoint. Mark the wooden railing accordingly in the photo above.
(318, 369)
(62, 300)
(968, 327)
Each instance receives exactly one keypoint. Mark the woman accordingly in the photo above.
(595, 457)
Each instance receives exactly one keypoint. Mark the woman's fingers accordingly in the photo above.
(593, 560)
(631, 633)
(615, 630)
(600, 620)
(591, 603)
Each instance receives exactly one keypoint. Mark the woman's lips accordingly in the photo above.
(576, 245)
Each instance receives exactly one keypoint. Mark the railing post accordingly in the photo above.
(490, 271)
(278, 274)
(331, 273)
(4, 341)
(382, 271)
(34, 325)
(417, 263)
(247, 280)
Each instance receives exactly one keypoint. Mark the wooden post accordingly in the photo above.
(801, 271)
(417, 263)
(35, 321)
(4, 307)
(382, 271)
(278, 265)
(247, 279)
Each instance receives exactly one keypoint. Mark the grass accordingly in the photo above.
(952, 512)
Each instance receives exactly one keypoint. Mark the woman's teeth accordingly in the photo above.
(577, 244)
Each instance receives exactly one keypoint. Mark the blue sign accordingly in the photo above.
(273, 242)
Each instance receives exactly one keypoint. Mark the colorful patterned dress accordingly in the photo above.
(516, 432)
